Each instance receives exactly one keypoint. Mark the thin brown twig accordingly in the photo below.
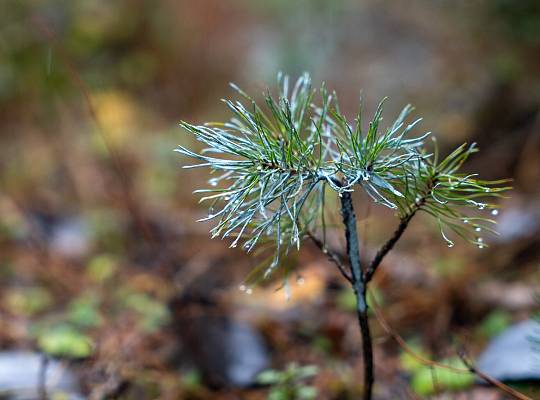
(470, 368)
(492, 381)
(404, 346)
(332, 256)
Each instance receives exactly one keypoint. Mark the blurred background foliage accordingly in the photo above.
(101, 260)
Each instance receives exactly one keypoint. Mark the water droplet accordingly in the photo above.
(481, 206)
(259, 168)
(450, 244)
(227, 198)
(212, 182)
(487, 190)
(494, 212)
(478, 229)
(242, 288)
(480, 246)
(249, 291)
(300, 280)
(452, 187)
(465, 221)
(480, 240)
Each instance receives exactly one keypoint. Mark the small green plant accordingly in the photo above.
(28, 301)
(289, 384)
(428, 380)
(275, 166)
(65, 341)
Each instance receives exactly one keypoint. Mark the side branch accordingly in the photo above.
(492, 381)
(332, 256)
(470, 368)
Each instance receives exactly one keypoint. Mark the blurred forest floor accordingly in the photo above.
(102, 262)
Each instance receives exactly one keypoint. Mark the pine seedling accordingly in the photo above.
(274, 164)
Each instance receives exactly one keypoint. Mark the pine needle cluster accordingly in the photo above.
(273, 163)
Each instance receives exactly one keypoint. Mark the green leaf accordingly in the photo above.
(428, 380)
(307, 371)
(278, 394)
(494, 323)
(101, 268)
(306, 393)
(192, 379)
(84, 312)
(153, 313)
(28, 301)
(385, 185)
(269, 377)
(65, 341)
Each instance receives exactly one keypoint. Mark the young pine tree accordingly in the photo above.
(274, 164)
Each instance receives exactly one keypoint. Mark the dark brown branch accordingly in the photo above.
(367, 352)
(332, 256)
(359, 279)
(359, 286)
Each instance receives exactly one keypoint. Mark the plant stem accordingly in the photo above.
(359, 286)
